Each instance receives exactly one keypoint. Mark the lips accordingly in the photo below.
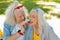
(28, 21)
(31, 22)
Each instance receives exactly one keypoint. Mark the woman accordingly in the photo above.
(14, 26)
(42, 30)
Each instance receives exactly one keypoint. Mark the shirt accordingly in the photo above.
(36, 37)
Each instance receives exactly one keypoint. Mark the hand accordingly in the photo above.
(22, 26)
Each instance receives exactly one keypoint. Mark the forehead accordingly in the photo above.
(34, 12)
(18, 11)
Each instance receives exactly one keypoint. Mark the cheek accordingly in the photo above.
(22, 18)
(35, 21)
(16, 16)
(18, 19)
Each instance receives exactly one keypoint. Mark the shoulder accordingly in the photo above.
(7, 26)
(6, 23)
(48, 28)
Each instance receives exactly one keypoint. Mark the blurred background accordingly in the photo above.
(50, 7)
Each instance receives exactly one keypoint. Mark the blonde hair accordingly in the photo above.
(10, 13)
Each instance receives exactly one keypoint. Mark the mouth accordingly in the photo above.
(29, 21)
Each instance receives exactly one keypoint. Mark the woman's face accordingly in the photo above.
(33, 18)
(19, 15)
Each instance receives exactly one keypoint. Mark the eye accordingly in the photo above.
(33, 16)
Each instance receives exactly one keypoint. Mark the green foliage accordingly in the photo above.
(44, 9)
(30, 4)
(3, 7)
(58, 1)
(54, 14)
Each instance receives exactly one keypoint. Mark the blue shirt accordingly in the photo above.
(28, 35)
(8, 29)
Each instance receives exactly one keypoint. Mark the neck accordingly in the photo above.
(36, 28)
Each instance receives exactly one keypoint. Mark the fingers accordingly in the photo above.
(24, 24)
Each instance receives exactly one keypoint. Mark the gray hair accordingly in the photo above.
(41, 19)
(10, 13)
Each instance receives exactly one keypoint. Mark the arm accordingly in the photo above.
(13, 37)
(16, 28)
(7, 34)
